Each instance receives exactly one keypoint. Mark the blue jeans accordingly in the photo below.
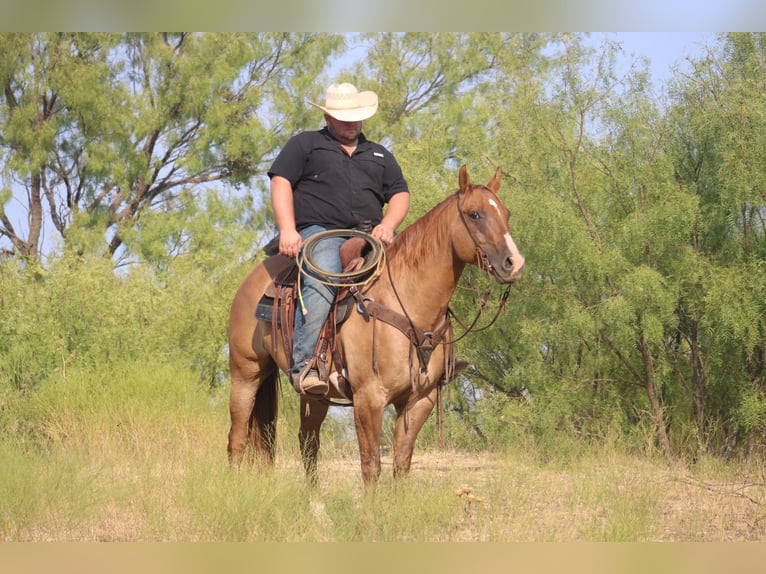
(317, 299)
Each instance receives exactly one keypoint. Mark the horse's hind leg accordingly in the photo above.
(252, 408)
(241, 402)
(313, 414)
(263, 421)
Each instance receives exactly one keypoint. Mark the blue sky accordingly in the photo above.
(664, 49)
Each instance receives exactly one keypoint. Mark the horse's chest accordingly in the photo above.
(390, 359)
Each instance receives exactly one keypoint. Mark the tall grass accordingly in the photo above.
(140, 455)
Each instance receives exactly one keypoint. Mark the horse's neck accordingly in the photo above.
(424, 284)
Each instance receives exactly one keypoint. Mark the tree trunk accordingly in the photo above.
(29, 247)
(699, 381)
(654, 401)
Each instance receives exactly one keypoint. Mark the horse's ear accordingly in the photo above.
(463, 178)
(494, 185)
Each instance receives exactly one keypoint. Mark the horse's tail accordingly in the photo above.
(265, 411)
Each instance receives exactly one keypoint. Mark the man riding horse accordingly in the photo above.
(330, 181)
(333, 178)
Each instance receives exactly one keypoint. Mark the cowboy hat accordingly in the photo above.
(345, 103)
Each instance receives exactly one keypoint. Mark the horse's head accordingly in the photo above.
(485, 218)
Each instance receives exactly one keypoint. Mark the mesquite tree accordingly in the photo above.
(99, 128)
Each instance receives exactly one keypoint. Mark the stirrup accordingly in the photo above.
(317, 388)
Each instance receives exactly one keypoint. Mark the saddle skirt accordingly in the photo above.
(270, 306)
(278, 303)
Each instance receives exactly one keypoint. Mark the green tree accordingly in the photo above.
(600, 221)
(100, 128)
(717, 139)
(431, 112)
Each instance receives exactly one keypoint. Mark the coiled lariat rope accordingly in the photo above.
(369, 271)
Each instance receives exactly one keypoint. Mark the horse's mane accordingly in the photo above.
(417, 240)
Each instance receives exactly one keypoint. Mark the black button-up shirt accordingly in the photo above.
(333, 189)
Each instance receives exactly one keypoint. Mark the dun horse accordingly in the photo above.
(395, 346)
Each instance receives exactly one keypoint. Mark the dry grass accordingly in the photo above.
(125, 472)
(604, 497)
(449, 496)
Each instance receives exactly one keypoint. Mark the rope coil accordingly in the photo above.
(368, 272)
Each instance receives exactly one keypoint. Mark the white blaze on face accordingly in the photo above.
(516, 257)
(493, 203)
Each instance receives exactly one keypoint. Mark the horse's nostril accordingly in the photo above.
(508, 264)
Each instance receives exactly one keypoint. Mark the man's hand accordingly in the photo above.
(395, 213)
(290, 243)
(383, 233)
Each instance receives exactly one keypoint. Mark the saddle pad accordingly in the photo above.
(264, 310)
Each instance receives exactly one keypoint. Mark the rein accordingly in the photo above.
(501, 306)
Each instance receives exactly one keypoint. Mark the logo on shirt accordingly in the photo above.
(377, 154)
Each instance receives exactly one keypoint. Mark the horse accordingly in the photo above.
(402, 313)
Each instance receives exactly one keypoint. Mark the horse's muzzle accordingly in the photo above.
(511, 269)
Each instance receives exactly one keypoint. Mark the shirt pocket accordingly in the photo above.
(371, 167)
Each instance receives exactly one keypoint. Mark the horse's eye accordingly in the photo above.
(474, 215)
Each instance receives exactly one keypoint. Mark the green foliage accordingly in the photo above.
(640, 320)
(172, 307)
(27, 347)
(115, 125)
(751, 411)
(64, 409)
(623, 212)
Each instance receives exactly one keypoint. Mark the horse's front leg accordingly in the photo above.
(368, 419)
(410, 417)
(313, 414)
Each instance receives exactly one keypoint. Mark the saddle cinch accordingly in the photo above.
(278, 303)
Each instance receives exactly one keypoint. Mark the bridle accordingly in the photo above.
(483, 263)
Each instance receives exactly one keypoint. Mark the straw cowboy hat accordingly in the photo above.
(345, 103)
